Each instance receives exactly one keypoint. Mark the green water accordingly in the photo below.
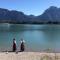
(37, 37)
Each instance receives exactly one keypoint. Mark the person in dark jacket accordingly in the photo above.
(22, 46)
(14, 45)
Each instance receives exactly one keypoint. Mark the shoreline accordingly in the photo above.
(28, 56)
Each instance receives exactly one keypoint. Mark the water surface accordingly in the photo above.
(37, 37)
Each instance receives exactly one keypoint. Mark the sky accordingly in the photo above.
(34, 7)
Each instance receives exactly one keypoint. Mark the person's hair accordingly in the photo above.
(13, 38)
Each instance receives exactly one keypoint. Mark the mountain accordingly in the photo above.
(12, 16)
(52, 14)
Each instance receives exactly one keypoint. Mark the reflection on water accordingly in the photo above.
(37, 37)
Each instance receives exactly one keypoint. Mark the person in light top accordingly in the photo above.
(14, 45)
(22, 46)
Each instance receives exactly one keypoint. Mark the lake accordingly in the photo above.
(37, 37)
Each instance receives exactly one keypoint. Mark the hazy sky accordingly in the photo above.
(35, 7)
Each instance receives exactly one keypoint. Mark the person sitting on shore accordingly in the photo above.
(14, 45)
(22, 46)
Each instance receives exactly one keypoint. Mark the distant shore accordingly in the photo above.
(49, 22)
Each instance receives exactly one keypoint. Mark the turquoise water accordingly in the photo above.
(37, 37)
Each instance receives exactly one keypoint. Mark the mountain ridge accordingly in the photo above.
(52, 14)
